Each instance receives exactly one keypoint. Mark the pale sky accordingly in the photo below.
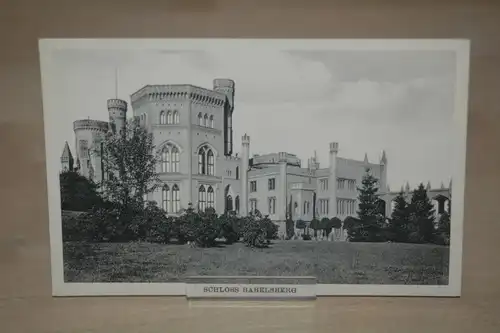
(367, 101)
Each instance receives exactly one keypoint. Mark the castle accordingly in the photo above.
(192, 129)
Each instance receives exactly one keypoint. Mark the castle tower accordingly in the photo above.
(226, 87)
(88, 136)
(282, 186)
(332, 188)
(245, 155)
(117, 109)
(67, 158)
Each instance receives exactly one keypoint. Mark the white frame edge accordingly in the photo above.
(462, 50)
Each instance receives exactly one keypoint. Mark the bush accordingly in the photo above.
(200, 227)
(290, 229)
(230, 227)
(258, 230)
(306, 237)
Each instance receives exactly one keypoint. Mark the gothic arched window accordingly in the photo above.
(212, 122)
(169, 117)
(237, 172)
(165, 198)
(176, 199)
(210, 160)
(176, 117)
(200, 119)
(229, 203)
(202, 198)
(163, 119)
(201, 161)
(205, 120)
(170, 158)
(237, 204)
(175, 159)
(211, 197)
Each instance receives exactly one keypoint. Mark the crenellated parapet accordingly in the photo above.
(115, 103)
(91, 125)
(232, 158)
(194, 94)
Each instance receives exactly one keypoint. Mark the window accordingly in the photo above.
(163, 119)
(176, 199)
(169, 117)
(210, 158)
(206, 161)
(324, 184)
(237, 172)
(212, 122)
(165, 198)
(200, 119)
(211, 198)
(170, 158)
(253, 205)
(205, 120)
(306, 207)
(352, 184)
(229, 203)
(323, 206)
(296, 208)
(237, 204)
(202, 198)
(271, 184)
(272, 205)
(176, 117)
(253, 186)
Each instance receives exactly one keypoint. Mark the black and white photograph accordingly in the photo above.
(342, 160)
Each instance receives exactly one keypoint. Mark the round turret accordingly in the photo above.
(117, 109)
(225, 86)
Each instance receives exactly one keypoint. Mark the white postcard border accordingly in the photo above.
(460, 46)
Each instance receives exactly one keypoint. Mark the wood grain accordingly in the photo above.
(25, 301)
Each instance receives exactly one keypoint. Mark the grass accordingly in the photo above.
(330, 262)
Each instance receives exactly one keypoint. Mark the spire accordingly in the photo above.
(66, 154)
(383, 159)
(428, 187)
(442, 186)
(407, 187)
(366, 158)
(450, 183)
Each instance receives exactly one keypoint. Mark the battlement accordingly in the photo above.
(334, 147)
(91, 125)
(154, 93)
(245, 139)
(223, 83)
(116, 103)
(232, 158)
(282, 157)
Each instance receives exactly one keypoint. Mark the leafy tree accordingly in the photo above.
(300, 224)
(78, 193)
(444, 229)
(130, 164)
(257, 231)
(421, 216)
(315, 225)
(399, 223)
(336, 224)
(230, 226)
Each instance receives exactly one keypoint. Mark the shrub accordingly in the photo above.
(230, 227)
(306, 237)
(257, 230)
(200, 227)
(290, 229)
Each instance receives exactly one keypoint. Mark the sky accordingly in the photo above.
(294, 101)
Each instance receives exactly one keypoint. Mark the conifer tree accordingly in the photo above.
(421, 216)
(368, 228)
(400, 219)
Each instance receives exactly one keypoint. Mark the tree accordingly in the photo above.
(78, 193)
(300, 224)
(130, 165)
(315, 225)
(399, 228)
(336, 224)
(444, 229)
(421, 216)
(369, 228)
(290, 229)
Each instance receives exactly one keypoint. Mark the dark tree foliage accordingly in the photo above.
(444, 229)
(130, 163)
(421, 215)
(398, 229)
(78, 193)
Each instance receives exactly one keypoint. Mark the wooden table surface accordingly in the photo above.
(26, 304)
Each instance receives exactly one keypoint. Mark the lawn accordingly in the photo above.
(330, 262)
